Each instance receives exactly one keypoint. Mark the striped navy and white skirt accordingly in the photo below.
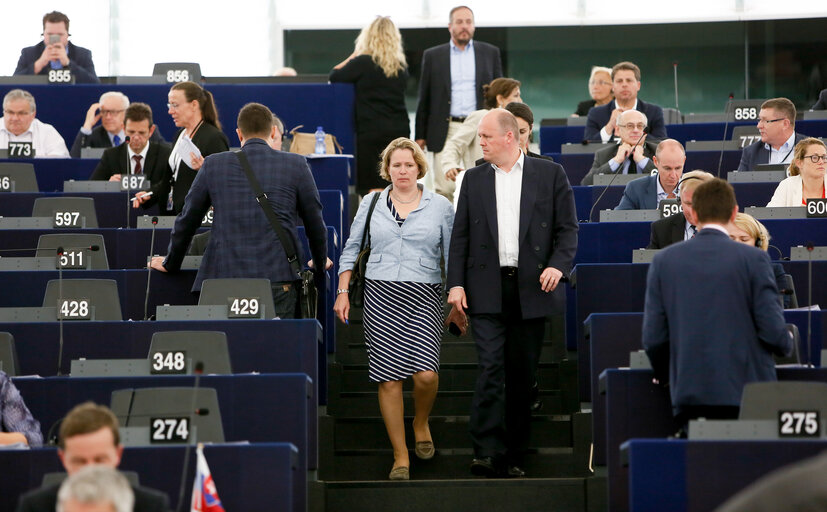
(403, 328)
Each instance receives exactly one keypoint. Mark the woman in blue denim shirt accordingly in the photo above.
(410, 231)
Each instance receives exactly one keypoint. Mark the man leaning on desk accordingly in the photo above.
(776, 124)
(55, 52)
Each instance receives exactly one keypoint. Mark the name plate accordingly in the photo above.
(134, 182)
(177, 75)
(799, 424)
(244, 307)
(60, 76)
(816, 208)
(74, 309)
(75, 259)
(206, 222)
(6, 184)
(165, 430)
(748, 140)
(168, 362)
(21, 150)
(669, 207)
(68, 220)
(745, 110)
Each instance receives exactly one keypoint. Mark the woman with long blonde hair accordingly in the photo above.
(379, 70)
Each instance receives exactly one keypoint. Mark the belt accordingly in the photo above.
(457, 119)
(510, 272)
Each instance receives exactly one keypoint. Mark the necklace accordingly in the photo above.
(415, 197)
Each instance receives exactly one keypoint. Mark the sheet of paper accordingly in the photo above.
(184, 147)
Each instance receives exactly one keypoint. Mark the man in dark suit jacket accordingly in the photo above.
(445, 99)
(62, 54)
(139, 156)
(242, 241)
(712, 319)
(89, 435)
(633, 153)
(514, 239)
(776, 124)
(683, 225)
(602, 120)
(109, 110)
(647, 193)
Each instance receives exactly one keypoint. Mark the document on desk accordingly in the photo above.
(184, 147)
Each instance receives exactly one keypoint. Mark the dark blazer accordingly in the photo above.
(155, 168)
(668, 231)
(208, 139)
(712, 319)
(548, 238)
(821, 104)
(45, 500)
(100, 139)
(756, 154)
(583, 107)
(80, 62)
(602, 157)
(599, 116)
(434, 108)
(242, 241)
(640, 194)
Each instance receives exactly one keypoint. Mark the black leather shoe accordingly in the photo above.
(484, 466)
(515, 472)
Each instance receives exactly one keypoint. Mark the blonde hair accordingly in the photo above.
(800, 149)
(402, 143)
(383, 42)
(754, 229)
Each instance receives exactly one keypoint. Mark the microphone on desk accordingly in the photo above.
(198, 371)
(675, 69)
(723, 140)
(646, 131)
(85, 248)
(149, 267)
(57, 311)
(810, 246)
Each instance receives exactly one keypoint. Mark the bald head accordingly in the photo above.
(499, 137)
(631, 123)
(669, 159)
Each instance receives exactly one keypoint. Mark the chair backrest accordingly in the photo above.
(576, 121)
(48, 244)
(84, 206)
(8, 354)
(50, 479)
(136, 407)
(207, 347)
(178, 71)
(21, 177)
(672, 116)
(795, 357)
(763, 400)
(101, 293)
(789, 289)
(217, 292)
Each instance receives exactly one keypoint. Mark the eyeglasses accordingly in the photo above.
(768, 121)
(111, 112)
(815, 158)
(173, 106)
(632, 126)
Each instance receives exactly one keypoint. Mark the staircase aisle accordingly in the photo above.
(355, 455)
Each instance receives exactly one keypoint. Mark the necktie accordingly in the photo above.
(116, 140)
(137, 159)
(694, 231)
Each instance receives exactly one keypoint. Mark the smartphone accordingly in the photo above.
(54, 39)
(454, 329)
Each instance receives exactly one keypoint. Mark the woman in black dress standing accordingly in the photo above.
(380, 72)
(192, 108)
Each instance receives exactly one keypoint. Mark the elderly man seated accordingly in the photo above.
(32, 138)
(632, 154)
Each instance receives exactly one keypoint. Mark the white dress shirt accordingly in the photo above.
(784, 154)
(508, 187)
(46, 141)
(131, 153)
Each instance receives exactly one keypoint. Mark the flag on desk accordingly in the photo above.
(204, 494)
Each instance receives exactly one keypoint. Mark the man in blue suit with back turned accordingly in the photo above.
(514, 239)
(712, 319)
(242, 242)
(57, 52)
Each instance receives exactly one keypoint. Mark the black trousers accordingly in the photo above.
(508, 349)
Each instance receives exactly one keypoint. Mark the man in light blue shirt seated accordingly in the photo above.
(647, 193)
(776, 124)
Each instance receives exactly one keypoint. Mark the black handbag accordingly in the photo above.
(356, 287)
(308, 294)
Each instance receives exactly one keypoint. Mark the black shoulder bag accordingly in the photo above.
(308, 295)
(356, 288)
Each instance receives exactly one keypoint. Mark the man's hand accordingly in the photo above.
(342, 307)
(456, 298)
(157, 263)
(622, 153)
(549, 279)
(327, 266)
(637, 155)
(421, 143)
(92, 116)
(451, 174)
(611, 126)
(140, 198)
(459, 318)
(115, 177)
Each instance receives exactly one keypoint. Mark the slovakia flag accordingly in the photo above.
(204, 494)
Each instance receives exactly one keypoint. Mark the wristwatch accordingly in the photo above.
(342, 290)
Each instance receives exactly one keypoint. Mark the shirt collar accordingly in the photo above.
(28, 130)
(717, 227)
(142, 153)
(518, 165)
(788, 144)
(469, 46)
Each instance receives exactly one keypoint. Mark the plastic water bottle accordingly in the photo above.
(320, 146)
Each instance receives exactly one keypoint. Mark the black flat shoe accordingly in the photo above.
(484, 466)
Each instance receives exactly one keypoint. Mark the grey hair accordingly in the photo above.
(622, 114)
(96, 484)
(19, 94)
(116, 94)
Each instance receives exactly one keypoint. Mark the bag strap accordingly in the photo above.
(366, 231)
(261, 199)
